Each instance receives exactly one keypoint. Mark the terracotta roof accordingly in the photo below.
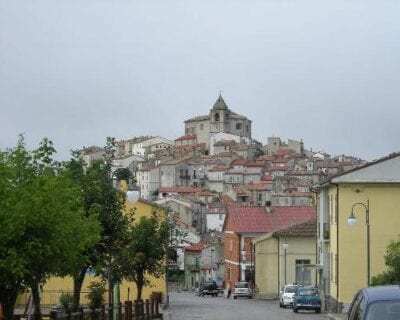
(308, 228)
(196, 247)
(265, 158)
(257, 219)
(187, 137)
(179, 190)
(280, 160)
(206, 194)
(277, 168)
(239, 162)
(224, 154)
(240, 147)
(284, 152)
(217, 168)
(257, 186)
(267, 178)
(223, 143)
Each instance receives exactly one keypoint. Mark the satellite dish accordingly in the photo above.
(132, 195)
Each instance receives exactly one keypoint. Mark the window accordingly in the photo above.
(303, 274)
(201, 126)
(238, 126)
(216, 118)
(247, 128)
(231, 245)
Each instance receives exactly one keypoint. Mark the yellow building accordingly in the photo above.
(56, 285)
(285, 256)
(351, 255)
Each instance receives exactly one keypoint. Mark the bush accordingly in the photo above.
(95, 295)
(65, 301)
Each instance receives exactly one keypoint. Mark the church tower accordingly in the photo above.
(219, 116)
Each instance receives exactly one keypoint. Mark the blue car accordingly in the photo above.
(376, 303)
(307, 298)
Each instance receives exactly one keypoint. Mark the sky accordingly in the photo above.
(77, 71)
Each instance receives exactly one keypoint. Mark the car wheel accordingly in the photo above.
(234, 297)
(295, 310)
(317, 310)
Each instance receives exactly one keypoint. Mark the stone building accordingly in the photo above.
(219, 119)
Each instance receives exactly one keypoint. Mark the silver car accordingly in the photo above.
(242, 289)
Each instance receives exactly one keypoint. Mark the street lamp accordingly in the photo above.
(351, 221)
(211, 267)
(285, 245)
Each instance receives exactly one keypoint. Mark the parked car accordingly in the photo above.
(242, 289)
(209, 288)
(307, 298)
(286, 295)
(376, 303)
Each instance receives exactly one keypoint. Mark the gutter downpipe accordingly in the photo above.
(279, 264)
(337, 244)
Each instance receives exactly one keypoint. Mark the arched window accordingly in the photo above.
(217, 117)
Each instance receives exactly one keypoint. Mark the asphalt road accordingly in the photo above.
(188, 306)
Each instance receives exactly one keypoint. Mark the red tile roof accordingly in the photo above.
(196, 247)
(258, 220)
(179, 190)
(267, 178)
(188, 137)
(257, 186)
(224, 154)
(284, 152)
(239, 162)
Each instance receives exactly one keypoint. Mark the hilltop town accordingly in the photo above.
(214, 167)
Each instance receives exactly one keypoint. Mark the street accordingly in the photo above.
(186, 306)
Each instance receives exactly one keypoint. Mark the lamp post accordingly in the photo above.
(351, 222)
(285, 245)
(211, 267)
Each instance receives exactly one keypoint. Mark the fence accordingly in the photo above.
(137, 310)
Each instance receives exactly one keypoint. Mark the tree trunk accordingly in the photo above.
(8, 297)
(139, 285)
(78, 282)
(37, 312)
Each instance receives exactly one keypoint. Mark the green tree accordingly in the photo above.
(146, 251)
(107, 203)
(42, 226)
(392, 261)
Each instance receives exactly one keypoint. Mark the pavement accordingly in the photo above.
(338, 316)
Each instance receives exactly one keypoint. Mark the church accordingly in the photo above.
(220, 120)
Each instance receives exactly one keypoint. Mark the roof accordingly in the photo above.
(388, 172)
(176, 161)
(390, 292)
(284, 152)
(258, 220)
(187, 137)
(220, 104)
(198, 118)
(179, 190)
(257, 187)
(196, 247)
(306, 229)
(224, 154)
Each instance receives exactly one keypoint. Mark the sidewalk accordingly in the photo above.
(337, 316)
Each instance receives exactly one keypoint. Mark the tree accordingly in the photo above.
(42, 226)
(107, 203)
(146, 251)
(392, 261)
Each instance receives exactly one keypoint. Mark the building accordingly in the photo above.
(285, 256)
(371, 191)
(219, 119)
(243, 224)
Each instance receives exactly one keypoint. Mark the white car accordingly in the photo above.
(286, 295)
(242, 289)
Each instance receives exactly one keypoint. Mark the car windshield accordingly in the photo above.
(241, 285)
(291, 289)
(308, 292)
(384, 310)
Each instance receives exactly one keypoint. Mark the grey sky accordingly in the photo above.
(77, 71)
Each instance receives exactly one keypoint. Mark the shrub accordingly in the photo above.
(65, 301)
(95, 295)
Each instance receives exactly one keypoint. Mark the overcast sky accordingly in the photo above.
(327, 72)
